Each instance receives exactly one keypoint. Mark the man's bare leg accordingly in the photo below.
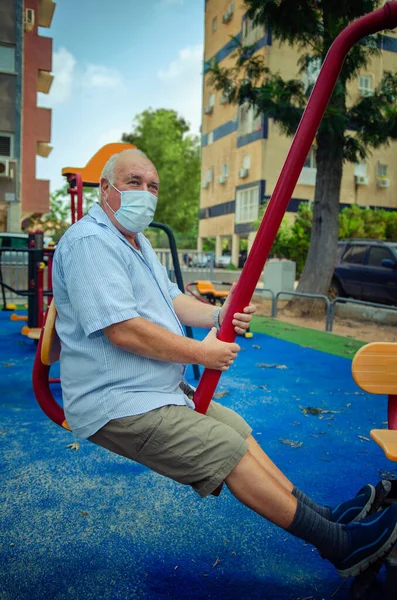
(267, 464)
(255, 487)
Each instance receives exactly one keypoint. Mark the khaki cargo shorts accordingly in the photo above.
(178, 442)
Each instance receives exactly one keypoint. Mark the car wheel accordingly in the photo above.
(335, 290)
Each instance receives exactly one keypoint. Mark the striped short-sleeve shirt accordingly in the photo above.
(99, 279)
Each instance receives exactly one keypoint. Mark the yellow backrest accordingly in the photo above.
(50, 345)
(374, 368)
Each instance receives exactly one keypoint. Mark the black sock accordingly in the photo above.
(324, 511)
(331, 539)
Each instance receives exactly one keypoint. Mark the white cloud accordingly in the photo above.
(63, 69)
(111, 135)
(182, 84)
(189, 58)
(99, 76)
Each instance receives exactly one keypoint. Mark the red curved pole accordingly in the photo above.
(384, 18)
(79, 188)
(42, 390)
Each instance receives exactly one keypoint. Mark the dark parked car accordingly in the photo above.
(366, 270)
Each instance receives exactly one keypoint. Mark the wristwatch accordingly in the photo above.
(216, 319)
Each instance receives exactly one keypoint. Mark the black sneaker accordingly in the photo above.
(370, 540)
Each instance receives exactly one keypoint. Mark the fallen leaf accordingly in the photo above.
(311, 410)
(262, 387)
(220, 394)
(362, 437)
(291, 443)
(84, 513)
(218, 560)
(74, 446)
(265, 366)
(7, 364)
(256, 346)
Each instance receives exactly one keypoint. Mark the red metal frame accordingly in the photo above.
(76, 191)
(384, 18)
(392, 412)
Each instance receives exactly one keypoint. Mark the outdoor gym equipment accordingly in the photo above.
(48, 349)
(383, 18)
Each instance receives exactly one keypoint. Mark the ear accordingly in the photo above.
(103, 188)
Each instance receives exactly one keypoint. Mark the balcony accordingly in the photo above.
(43, 149)
(46, 11)
(44, 81)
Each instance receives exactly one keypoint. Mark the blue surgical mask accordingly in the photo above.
(136, 210)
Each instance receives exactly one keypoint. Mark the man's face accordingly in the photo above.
(132, 172)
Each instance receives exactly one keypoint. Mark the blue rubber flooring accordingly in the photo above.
(86, 524)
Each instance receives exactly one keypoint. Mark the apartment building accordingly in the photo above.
(25, 128)
(242, 155)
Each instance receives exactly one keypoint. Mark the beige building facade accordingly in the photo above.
(242, 155)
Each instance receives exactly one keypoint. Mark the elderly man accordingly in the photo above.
(122, 364)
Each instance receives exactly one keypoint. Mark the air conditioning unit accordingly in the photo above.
(383, 182)
(243, 173)
(361, 180)
(29, 19)
(205, 184)
(209, 109)
(224, 99)
(226, 17)
(222, 179)
(4, 167)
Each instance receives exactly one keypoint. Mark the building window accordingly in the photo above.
(247, 205)
(251, 32)
(225, 170)
(312, 72)
(214, 23)
(7, 59)
(365, 85)
(382, 170)
(310, 162)
(6, 145)
(210, 138)
(248, 120)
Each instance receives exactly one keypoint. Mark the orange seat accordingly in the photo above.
(91, 173)
(207, 288)
(374, 369)
(50, 345)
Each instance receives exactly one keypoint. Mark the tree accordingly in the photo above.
(58, 220)
(165, 138)
(347, 132)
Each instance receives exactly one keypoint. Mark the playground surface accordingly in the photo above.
(78, 522)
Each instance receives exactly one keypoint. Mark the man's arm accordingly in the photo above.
(142, 337)
(193, 312)
(199, 314)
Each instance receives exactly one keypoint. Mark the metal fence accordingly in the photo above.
(194, 264)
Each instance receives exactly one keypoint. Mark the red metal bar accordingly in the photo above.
(40, 293)
(392, 412)
(384, 18)
(50, 257)
(72, 193)
(42, 390)
(79, 188)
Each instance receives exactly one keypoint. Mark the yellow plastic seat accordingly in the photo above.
(206, 288)
(91, 173)
(50, 345)
(387, 440)
(374, 369)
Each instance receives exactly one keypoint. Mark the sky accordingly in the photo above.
(111, 61)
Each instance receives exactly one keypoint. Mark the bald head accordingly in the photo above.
(130, 155)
